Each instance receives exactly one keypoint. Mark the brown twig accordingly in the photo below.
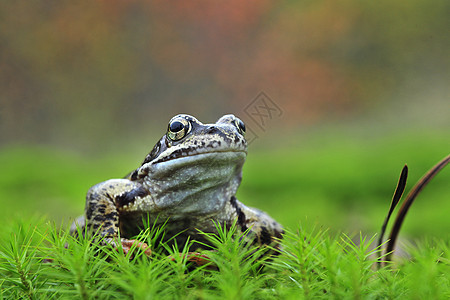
(395, 200)
(409, 201)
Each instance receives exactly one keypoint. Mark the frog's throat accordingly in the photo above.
(199, 184)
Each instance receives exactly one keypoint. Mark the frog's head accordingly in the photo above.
(195, 167)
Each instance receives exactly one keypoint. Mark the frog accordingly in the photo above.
(188, 181)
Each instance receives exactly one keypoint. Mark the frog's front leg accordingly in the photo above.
(263, 229)
(104, 203)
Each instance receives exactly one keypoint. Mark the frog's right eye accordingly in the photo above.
(178, 128)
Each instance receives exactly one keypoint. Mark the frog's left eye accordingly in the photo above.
(178, 128)
(240, 126)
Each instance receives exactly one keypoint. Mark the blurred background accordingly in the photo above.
(337, 96)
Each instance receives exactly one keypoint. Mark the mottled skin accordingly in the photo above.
(189, 179)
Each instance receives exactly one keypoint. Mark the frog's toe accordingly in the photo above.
(127, 245)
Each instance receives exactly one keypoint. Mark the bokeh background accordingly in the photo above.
(360, 87)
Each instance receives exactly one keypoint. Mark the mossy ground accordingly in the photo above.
(312, 265)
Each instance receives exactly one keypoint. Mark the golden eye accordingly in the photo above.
(240, 126)
(178, 128)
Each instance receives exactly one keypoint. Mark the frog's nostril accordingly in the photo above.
(211, 129)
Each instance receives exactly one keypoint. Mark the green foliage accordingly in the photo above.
(19, 262)
(239, 265)
(39, 260)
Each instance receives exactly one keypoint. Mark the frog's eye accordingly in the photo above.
(240, 126)
(178, 128)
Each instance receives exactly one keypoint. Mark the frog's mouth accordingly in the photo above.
(186, 160)
(191, 152)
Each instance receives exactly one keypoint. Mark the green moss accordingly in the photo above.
(313, 264)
